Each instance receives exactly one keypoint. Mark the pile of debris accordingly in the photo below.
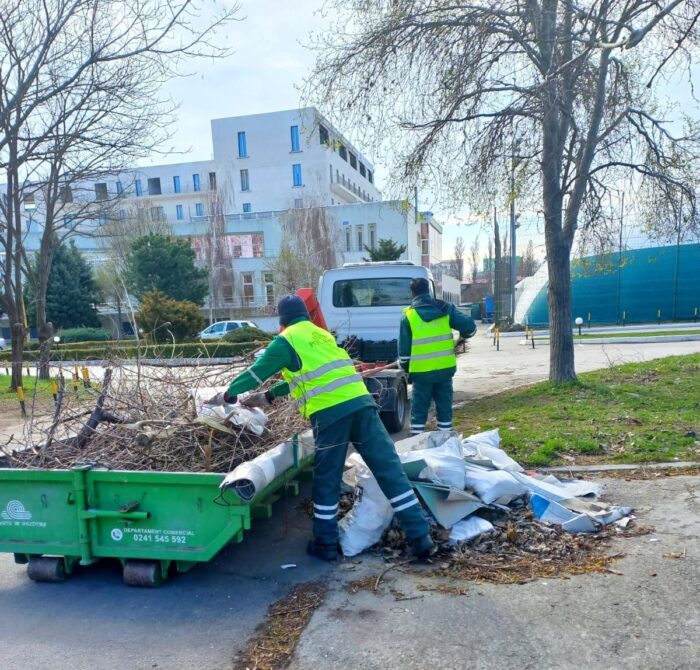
(475, 493)
(154, 418)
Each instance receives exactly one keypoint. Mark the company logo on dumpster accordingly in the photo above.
(116, 534)
(15, 512)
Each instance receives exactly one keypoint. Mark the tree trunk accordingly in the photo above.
(18, 336)
(119, 317)
(45, 333)
(561, 339)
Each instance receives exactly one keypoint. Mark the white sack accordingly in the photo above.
(445, 464)
(484, 448)
(493, 485)
(369, 517)
(469, 528)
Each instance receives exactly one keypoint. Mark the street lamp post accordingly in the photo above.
(513, 227)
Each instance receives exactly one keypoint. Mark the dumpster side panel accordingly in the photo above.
(38, 513)
(183, 521)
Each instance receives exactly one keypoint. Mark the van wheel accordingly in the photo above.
(395, 419)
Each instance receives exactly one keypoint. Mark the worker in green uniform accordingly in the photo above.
(427, 353)
(322, 379)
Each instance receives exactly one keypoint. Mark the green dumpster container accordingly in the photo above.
(53, 520)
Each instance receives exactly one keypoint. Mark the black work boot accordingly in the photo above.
(326, 552)
(423, 547)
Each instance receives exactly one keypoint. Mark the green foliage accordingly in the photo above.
(159, 316)
(85, 335)
(71, 295)
(631, 413)
(247, 334)
(387, 250)
(161, 263)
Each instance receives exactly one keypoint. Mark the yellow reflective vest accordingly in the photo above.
(432, 345)
(327, 376)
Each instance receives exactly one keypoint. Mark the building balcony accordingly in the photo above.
(345, 189)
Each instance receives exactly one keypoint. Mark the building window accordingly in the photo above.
(66, 194)
(120, 188)
(242, 148)
(343, 152)
(247, 208)
(295, 138)
(363, 171)
(248, 289)
(425, 247)
(323, 136)
(199, 209)
(296, 174)
(372, 233)
(101, 191)
(337, 177)
(330, 167)
(298, 203)
(154, 186)
(195, 182)
(122, 214)
(157, 214)
(103, 218)
(212, 181)
(245, 182)
(348, 239)
(179, 212)
(353, 161)
(360, 238)
(176, 184)
(370, 177)
(269, 281)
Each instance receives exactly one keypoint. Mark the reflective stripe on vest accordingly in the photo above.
(327, 376)
(432, 345)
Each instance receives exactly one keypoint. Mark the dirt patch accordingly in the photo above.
(276, 639)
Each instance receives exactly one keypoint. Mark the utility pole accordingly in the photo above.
(619, 254)
(679, 223)
(513, 226)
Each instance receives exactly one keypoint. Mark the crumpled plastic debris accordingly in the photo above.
(454, 477)
(252, 419)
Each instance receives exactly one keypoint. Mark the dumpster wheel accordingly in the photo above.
(143, 573)
(46, 569)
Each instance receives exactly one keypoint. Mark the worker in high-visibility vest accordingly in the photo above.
(322, 378)
(427, 353)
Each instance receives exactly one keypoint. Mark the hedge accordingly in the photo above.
(192, 350)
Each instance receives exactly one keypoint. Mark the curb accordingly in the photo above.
(623, 467)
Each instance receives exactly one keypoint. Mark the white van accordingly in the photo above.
(366, 300)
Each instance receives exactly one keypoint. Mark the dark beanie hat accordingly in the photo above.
(291, 307)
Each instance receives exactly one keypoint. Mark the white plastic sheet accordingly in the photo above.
(484, 449)
(251, 477)
(493, 485)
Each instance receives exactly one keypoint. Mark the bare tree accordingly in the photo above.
(565, 82)
(474, 259)
(458, 264)
(308, 247)
(529, 264)
(80, 94)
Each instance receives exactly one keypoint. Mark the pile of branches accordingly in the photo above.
(144, 418)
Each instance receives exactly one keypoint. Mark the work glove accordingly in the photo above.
(261, 400)
(224, 398)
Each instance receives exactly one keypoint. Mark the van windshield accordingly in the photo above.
(372, 292)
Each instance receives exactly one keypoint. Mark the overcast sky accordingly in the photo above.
(269, 61)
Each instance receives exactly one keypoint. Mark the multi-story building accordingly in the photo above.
(294, 158)
(233, 208)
